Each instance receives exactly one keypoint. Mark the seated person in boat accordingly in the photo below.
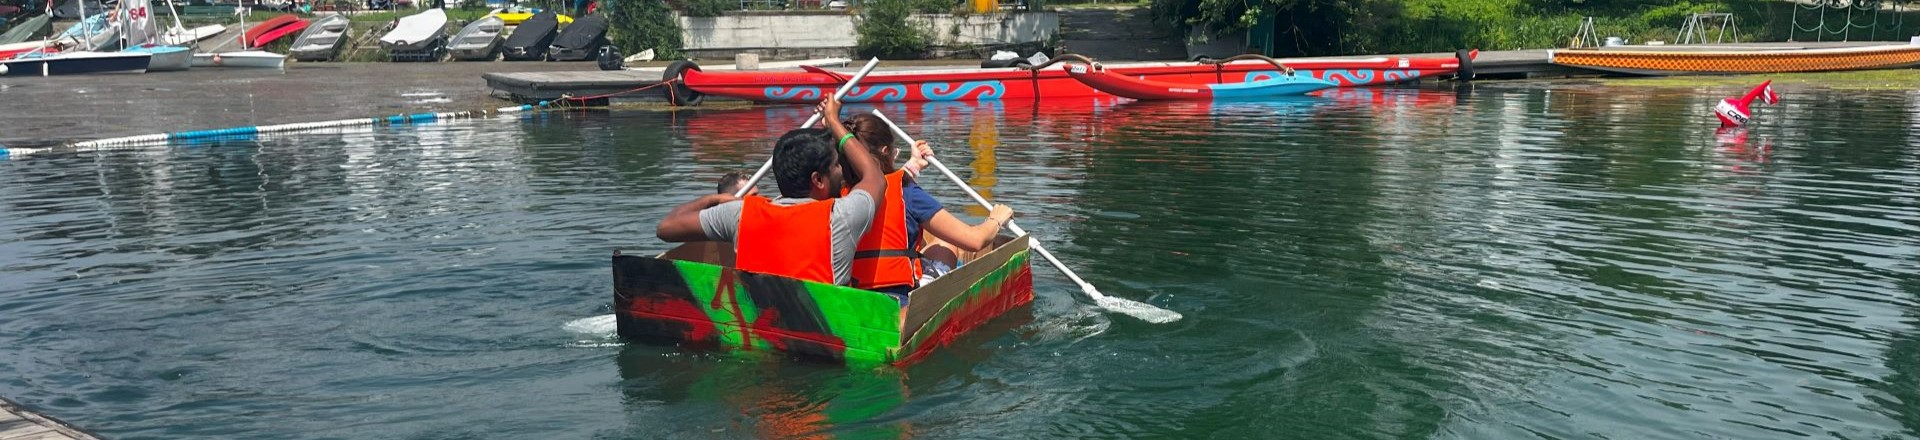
(731, 182)
(807, 233)
(891, 257)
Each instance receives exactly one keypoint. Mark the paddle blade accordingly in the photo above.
(1136, 309)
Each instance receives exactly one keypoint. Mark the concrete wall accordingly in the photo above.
(798, 35)
(990, 29)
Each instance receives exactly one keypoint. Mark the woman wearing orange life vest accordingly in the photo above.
(891, 257)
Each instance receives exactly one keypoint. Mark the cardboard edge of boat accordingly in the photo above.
(655, 299)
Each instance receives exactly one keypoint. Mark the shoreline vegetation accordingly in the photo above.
(1364, 27)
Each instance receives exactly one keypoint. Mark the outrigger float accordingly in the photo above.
(693, 295)
(1288, 82)
(691, 85)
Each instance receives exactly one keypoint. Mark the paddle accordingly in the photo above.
(1125, 306)
(837, 94)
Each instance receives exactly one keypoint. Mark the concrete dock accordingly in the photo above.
(47, 111)
(17, 423)
(529, 87)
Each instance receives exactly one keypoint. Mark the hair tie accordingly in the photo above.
(843, 141)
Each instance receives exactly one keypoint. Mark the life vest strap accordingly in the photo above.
(884, 253)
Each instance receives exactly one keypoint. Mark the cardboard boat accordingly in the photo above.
(690, 295)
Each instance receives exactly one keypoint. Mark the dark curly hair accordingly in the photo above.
(797, 155)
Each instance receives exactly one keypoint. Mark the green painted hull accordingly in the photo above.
(690, 295)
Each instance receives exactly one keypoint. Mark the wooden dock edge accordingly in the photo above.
(18, 423)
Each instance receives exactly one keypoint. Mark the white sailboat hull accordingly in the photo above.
(171, 61)
(254, 59)
(76, 63)
(182, 37)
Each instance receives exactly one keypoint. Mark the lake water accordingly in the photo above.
(1551, 260)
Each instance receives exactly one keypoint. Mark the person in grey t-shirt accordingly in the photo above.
(808, 170)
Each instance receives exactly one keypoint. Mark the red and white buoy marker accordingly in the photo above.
(1735, 112)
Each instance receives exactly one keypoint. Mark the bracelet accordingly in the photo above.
(843, 140)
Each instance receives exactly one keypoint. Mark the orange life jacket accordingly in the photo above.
(794, 241)
(886, 257)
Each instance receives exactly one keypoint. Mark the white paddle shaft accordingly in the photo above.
(837, 94)
(1134, 308)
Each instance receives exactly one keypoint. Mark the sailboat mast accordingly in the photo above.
(86, 38)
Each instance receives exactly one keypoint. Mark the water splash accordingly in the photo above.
(602, 326)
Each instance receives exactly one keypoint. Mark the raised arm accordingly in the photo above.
(683, 223)
(854, 153)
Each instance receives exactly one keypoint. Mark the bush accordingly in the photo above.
(708, 8)
(644, 24)
(885, 31)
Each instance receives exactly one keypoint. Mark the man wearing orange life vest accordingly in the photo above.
(806, 233)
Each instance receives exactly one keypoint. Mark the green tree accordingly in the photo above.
(644, 24)
(885, 32)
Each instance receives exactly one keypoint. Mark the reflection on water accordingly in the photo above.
(1516, 260)
(983, 138)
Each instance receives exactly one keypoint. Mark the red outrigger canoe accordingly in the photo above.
(814, 83)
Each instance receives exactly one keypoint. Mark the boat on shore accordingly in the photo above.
(165, 58)
(322, 40)
(139, 28)
(516, 18)
(581, 40)
(417, 37)
(478, 41)
(95, 33)
(8, 51)
(39, 26)
(76, 63)
(1286, 83)
(812, 84)
(530, 40)
(250, 59)
(290, 29)
(1686, 60)
(691, 295)
(254, 33)
(181, 36)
